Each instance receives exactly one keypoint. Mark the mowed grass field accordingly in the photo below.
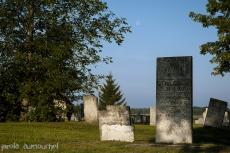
(79, 137)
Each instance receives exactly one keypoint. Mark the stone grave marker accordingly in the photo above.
(202, 119)
(152, 115)
(115, 124)
(174, 100)
(226, 121)
(73, 118)
(90, 109)
(215, 114)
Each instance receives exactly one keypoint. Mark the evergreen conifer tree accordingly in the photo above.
(110, 94)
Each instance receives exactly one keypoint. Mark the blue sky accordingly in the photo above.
(161, 28)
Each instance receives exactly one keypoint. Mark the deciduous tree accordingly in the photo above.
(48, 46)
(218, 16)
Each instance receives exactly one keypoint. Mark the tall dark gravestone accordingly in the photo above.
(174, 100)
(215, 114)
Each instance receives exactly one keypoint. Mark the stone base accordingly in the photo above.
(114, 124)
(117, 133)
(171, 132)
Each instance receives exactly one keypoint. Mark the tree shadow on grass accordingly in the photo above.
(205, 139)
(152, 140)
(220, 136)
(216, 140)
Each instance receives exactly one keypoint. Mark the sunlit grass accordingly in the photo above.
(80, 137)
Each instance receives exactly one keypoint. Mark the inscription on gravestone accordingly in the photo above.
(215, 114)
(174, 100)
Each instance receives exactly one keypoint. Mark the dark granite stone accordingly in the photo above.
(215, 114)
(174, 100)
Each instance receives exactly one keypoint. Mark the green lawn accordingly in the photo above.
(79, 137)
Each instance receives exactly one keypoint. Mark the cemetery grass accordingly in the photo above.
(79, 137)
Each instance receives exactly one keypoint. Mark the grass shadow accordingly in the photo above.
(219, 136)
(152, 140)
(199, 148)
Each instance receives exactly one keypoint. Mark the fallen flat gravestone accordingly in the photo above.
(215, 114)
(90, 109)
(174, 100)
(115, 124)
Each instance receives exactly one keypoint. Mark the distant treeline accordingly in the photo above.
(196, 110)
(139, 110)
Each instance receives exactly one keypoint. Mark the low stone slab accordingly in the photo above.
(117, 133)
(215, 114)
(115, 125)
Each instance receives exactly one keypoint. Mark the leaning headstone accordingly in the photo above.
(215, 114)
(115, 124)
(205, 113)
(90, 109)
(174, 100)
(152, 115)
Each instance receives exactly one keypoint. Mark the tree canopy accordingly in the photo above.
(219, 17)
(110, 94)
(47, 48)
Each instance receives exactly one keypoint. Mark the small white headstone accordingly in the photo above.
(90, 109)
(153, 115)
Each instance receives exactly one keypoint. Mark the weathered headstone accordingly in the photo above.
(202, 119)
(205, 113)
(115, 124)
(152, 115)
(215, 114)
(90, 109)
(144, 118)
(133, 118)
(226, 121)
(73, 118)
(174, 100)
